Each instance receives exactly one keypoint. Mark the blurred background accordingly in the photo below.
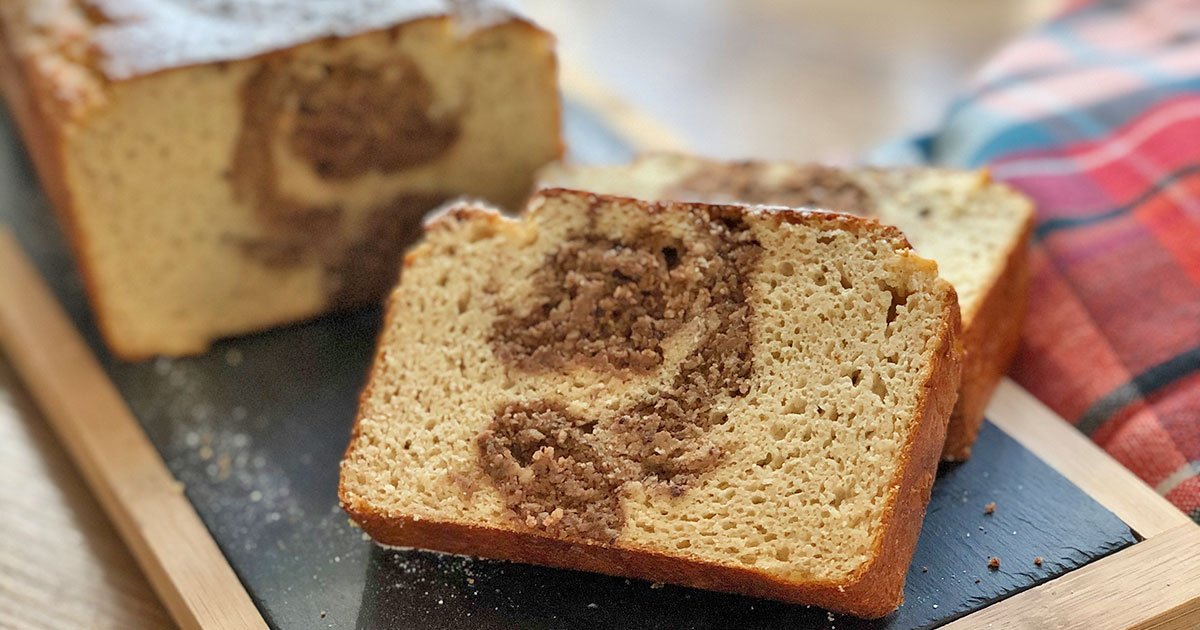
(798, 79)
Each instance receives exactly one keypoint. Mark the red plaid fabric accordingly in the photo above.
(1096, 116)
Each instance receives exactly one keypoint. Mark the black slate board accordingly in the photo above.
(255, 429)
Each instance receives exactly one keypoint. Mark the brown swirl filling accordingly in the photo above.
(611, 305)
(341, 121)
(350, 120)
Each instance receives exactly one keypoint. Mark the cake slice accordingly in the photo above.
(741, 399)
(226, 166)
(975, 229)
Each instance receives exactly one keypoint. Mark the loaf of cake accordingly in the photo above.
(742, 399)
(975, 229)
(222, 167)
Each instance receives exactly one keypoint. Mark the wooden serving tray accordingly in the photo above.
(220, 472)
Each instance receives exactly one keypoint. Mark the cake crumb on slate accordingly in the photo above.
(994, 563)
(990, 508)
(1037, 561)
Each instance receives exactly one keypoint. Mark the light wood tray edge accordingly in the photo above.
(1152, 584)
(120, 465)
(1078, 459)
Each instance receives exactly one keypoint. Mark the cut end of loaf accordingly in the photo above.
(744, 399)
(226, 190)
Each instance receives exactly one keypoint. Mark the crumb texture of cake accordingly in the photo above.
(976, 231)
(748, 400)
(224, 167)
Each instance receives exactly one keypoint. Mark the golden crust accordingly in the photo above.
(989, 344)
(874, 591)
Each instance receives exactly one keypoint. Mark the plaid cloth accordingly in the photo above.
(1096, 116)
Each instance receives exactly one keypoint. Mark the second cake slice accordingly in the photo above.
(741, 399)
